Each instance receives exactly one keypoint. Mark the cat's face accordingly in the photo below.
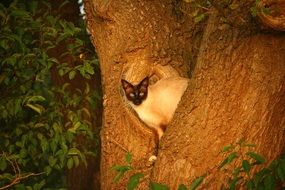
(136, 93)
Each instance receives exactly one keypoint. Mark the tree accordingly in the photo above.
(237, 90)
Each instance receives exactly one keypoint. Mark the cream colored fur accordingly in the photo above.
(161, 102)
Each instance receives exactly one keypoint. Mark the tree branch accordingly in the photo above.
(17, 171)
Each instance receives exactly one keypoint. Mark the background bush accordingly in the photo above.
(39, 119)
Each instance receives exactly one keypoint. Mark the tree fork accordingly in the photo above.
(236, 92)
(131, 39)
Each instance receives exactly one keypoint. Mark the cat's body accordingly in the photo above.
(159, 100)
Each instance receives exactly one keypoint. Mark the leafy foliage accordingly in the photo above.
(242, 176)
(122, 169)
(228, 10)
(157, 186)
(39, 120)
(257, 8)
(200, 9)
(134, 180)
(195, 184)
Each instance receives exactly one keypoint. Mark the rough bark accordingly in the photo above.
(237, 90)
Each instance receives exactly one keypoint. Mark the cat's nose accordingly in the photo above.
(137, 102)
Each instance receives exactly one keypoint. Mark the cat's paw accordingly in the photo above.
(152, 158)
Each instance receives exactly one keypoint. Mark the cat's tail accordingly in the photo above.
(137, 71)
(158, 72)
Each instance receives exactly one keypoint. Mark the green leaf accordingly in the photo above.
(253, 11)
(33, 6)
(39, 186)
(233, 183)
(121, 168)
(76, 160)
(260, 186)
(18, 131)
(266, 10)
(233, 6)
(61, 156)
(225, 161)
(182, 187)
(75, 127)
(69, 163)
(228, 159)
(36, 107)
(273, 165)
(52, 161)
(157, 186)
(232, 156)
(87, 89)
(282, 164)
(71, 74)
(48, 170)
(61, 72)
(259, 159)
(227, 148)
(259, 176)
(196, 182)
(281, 173)
(44, 145)
(269, 183)
(35, 99)
(246, 166)
(17, 106)
(250, 184)
(129, 158)
(236, 171)
(89, 68)
(199, 18)
(134, 181)
(118, 177)
(23, 153)
(53, 145)
(20, 13)
(3, 164)
(73, 151)
(20, 187)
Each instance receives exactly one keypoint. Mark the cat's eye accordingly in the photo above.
(132, 95)
(141, 94)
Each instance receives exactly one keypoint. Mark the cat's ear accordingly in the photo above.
(144, 82)
(126, 84)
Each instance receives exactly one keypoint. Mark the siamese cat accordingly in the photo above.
(155, 104)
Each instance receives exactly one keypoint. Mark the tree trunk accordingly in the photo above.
(236, 91)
